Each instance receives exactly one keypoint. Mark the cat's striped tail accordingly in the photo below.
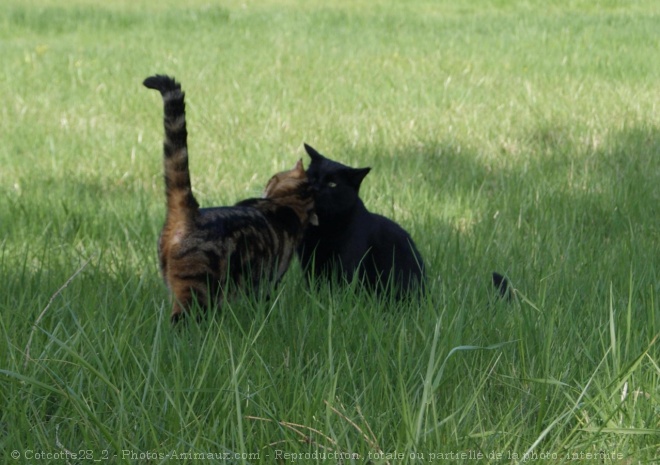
(180, 199)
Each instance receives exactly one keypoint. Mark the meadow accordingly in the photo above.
(518, 137)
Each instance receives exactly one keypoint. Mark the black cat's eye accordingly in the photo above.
(332, 184)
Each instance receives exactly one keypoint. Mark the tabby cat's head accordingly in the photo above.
(335, 186)
(291, 188)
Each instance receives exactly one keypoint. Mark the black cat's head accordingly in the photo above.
(335, 186)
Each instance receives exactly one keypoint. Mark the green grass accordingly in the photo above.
(522, 137)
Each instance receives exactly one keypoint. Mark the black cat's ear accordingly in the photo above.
(313, 154)
(356, 175)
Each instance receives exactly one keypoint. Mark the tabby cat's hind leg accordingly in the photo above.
(185, 298)
(191, 297)
(177, 313)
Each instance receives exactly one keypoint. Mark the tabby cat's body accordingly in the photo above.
(350, 241)
(206, 253)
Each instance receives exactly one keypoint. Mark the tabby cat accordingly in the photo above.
(208, 253)
(349, 240)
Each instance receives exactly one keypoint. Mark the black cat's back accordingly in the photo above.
(394, 250)
(350, 240)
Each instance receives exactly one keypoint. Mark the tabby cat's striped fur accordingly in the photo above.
(206, 252)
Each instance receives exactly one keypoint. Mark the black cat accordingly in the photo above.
(349, 240)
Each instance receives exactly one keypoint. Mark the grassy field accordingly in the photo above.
(522, 137)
